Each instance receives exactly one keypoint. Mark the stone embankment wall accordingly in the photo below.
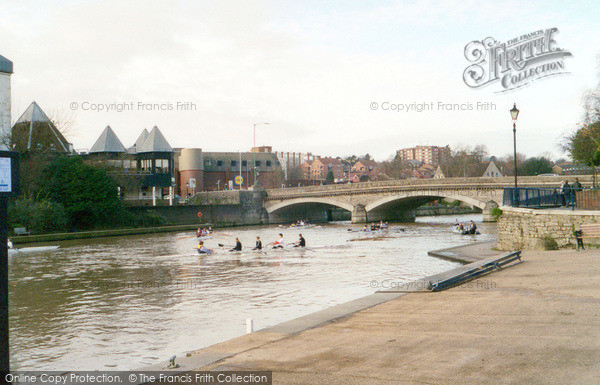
(445, 210)
(527, 229)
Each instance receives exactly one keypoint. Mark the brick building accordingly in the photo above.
(433, 155)
(318, 169)
(209, 171)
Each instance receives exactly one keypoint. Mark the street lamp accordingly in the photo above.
(514, 113)
(255, 183)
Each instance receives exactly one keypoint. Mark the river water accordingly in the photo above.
(128, 302)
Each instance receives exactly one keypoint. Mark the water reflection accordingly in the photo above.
(127, 302)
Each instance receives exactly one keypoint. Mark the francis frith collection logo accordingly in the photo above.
(514, 63)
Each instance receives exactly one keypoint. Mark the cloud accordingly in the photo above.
(310, 72)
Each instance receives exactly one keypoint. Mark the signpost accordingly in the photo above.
(239, 180)
(9, 187)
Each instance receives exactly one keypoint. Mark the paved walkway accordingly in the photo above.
(537, 322)
(469, 253)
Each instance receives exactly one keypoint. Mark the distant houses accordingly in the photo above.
(151, 169)
(492, 171)
(319, 168)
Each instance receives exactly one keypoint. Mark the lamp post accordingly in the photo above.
(255, 183)
(514, 113)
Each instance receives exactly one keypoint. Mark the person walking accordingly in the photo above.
(576, 186)
(565, 191)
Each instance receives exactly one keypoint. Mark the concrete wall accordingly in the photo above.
(524, 229)
(4, 109)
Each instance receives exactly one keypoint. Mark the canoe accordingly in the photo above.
(31, 250)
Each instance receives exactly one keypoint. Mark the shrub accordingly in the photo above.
(496, 213)
(39, 217)
(548, 243)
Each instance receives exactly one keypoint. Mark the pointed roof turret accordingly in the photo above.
(154, 142)
(108, 142)
(35, 131)
(138, 143)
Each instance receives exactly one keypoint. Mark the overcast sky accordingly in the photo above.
(312, 69)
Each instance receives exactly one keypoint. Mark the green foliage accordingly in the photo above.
(536, 166)
(88, 195)
(548, 243)
(38, 217)
(330, 177)
(584, 144)
(496, 213)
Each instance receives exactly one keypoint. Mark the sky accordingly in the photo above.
(320, 73)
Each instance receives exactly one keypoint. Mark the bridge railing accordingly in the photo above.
(539, 197)
(532, 181)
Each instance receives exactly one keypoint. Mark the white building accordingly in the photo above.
(6, 69)
(492, 171)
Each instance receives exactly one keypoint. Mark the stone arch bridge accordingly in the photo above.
(393, 200)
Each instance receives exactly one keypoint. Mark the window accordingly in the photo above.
(219, 163)
(207, 162)
(257, 163)
(268, 163)
(233, 163)
(244, 163)
(162, 165)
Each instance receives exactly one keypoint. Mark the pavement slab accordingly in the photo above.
(537, 322)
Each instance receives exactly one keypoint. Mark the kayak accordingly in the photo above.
(31, 250)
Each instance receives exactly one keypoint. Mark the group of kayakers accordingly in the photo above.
(277, 244)
(299, 223)
(204, 232)
(470, 228)
(375, 226)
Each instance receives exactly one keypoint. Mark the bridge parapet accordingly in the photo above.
(418, 184)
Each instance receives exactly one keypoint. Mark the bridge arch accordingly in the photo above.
(433, 194)
(297, 201)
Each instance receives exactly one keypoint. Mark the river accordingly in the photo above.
(128, 302)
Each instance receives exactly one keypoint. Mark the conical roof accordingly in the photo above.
(138, 143)
(6, 65)
(108, 142)
(154, 142)
(35, 131)
(34, 114)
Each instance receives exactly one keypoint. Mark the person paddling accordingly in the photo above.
(301, 242)
(258, 244)
(203, 249)
(278, 244)
(238, 245)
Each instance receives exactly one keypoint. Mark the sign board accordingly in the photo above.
(239, 180)
(192, 183)
(9, 173)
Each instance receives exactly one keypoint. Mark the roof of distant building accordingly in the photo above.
(154, 142)
(140, 140)
(6, 66)
(108, 142)
(34, 130)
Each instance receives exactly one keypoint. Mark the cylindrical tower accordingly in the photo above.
(191, 171)
(6, 69)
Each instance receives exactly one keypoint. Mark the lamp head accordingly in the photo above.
(514, 112)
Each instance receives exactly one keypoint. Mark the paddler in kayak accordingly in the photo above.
(203, 249)
(278, 244)
(238, 245)
(301, 242)
(258, 244)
